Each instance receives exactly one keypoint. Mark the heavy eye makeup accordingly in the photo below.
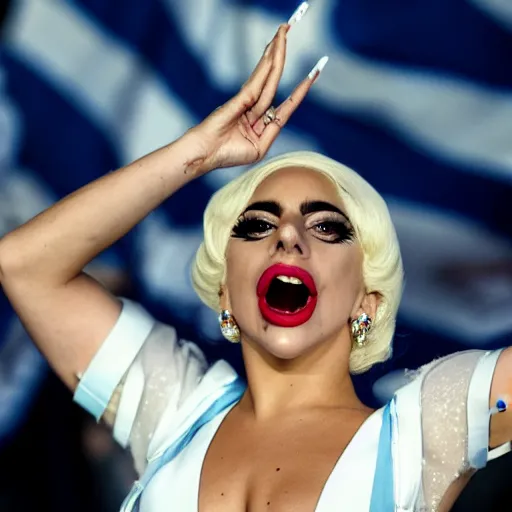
(251, 226)
(328, 227)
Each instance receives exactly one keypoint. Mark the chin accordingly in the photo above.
(287, 343)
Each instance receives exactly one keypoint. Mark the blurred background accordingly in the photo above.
(417, 97)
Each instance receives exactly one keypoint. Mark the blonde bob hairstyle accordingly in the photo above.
(382, 264)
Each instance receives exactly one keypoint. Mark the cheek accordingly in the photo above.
(240, 272)
(347, 276)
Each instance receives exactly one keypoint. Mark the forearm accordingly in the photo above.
(56, 245)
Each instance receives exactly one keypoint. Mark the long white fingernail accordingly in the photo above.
(298, 13)
(318, 67)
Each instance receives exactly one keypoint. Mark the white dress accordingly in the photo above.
(166, 404)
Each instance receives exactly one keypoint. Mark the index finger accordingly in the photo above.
(250, 92)
(290, 105)
(270, 88)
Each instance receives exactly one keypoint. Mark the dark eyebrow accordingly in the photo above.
(320, 206)
(266, 206)
(306, 208)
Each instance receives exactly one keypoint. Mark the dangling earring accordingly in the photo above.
(228, 326)
(361, 326)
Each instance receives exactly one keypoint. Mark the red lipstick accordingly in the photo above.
(280, 317)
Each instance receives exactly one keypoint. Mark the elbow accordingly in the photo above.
(8, 259)
(23, 262)
(3, 264)
(2, 258)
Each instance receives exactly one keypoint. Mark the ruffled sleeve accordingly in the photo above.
(141, 371)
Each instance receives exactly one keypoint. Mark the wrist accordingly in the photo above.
(195, 147)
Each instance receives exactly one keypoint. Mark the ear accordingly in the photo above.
(224, 301)
(369, 305)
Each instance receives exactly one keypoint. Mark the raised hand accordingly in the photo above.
(243, 129)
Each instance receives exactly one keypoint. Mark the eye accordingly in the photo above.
(252, 229)
(333, 231)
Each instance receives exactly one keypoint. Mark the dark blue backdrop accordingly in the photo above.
(416, 97)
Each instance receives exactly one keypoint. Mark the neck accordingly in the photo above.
(317, 379)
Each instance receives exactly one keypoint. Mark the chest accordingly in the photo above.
(283, 465)
(232, 469)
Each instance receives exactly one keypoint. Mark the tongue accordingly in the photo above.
(287, 297)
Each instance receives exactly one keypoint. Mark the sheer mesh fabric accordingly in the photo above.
(109, 416)
(171, 370)
(444, 401)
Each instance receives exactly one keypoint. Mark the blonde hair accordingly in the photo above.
(382, 264)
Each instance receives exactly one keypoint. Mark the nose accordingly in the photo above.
(291, 240)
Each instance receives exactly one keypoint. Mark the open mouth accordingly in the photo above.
(287, 295)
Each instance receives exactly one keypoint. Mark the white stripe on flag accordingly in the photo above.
(447, 116)
(112, 85)
(499, 10)
(454, 284)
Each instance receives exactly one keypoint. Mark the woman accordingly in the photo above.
(301, 259)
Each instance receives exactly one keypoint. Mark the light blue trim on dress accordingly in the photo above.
(232, 394)
(383, 491)
(113, 359)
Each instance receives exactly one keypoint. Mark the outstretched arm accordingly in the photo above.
(67, 313)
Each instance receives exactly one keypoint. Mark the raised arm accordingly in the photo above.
(66, 312)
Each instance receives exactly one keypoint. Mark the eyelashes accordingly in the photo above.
(252, 229)
(333, 231)
(329, 231)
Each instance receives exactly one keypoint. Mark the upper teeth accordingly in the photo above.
(289, 279)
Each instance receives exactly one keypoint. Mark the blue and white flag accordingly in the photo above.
(417, 97)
